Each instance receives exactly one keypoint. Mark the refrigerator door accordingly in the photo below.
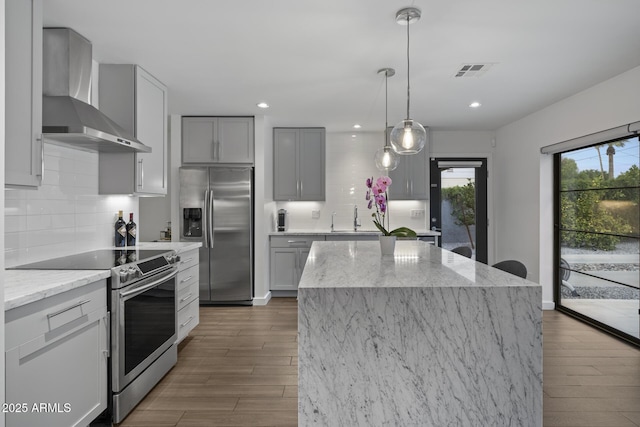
(194, 211)
(231, 254)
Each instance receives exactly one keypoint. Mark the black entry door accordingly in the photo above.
(458, 203)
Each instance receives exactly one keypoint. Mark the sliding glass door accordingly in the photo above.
(598, 235)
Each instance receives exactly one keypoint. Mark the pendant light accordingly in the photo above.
(408, 136)
(386, 158)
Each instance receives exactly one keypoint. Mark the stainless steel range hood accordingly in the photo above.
(67, 116)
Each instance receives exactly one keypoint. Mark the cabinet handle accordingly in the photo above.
(186, 279)
(107, 352)
(219, 151)
(64, 310)
(141, 174)
(213, 149)
(187, 322)
(186, 260)
(297, 242)
(41, 174)
(187, 297)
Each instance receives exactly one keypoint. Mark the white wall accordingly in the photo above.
(523, 184)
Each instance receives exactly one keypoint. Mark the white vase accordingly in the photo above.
(387, 245)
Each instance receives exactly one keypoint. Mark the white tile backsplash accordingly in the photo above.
(349, 162)
(66, 214)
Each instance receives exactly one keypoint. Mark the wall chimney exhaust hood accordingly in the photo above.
(67, 117)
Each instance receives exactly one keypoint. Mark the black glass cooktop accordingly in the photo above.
(103, 259)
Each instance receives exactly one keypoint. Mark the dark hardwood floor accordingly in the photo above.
(239, 368)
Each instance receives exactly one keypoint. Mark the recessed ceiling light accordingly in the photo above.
(357, 126)
(475, 104)
(353, 136)
(262, 105)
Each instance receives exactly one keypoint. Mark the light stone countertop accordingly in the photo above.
(415, 264)
(22, 287)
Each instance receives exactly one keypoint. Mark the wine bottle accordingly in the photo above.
(131, 231)
(121, 231)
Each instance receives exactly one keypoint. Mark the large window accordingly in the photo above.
(598, 235)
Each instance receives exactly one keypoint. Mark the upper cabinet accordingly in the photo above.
(409, 179)
(217, 140)
(24, 161)
(136, 101)
(298, 164)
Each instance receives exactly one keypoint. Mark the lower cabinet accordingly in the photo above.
(288, 255)
(188, 302)
(56, 359)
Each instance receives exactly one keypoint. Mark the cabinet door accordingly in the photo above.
(417, 176)
(198, 139)
(234, 140)
(399, 189)
(66, 373)
(311, 164)
(23, 77)
(284, 269)
(285, 164)
(151, 130)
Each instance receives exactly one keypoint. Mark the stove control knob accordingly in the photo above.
(133, 273)
(124, 276)
(177, 258)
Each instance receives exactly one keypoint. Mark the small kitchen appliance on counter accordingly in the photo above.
(142, 302)
(283, 222)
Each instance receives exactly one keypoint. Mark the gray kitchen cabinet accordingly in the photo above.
(288, 255)
(136, 101)
(299, 164)
(409, 179)
(217, 140)
(188, 301)
(24, 161)
(56, 355)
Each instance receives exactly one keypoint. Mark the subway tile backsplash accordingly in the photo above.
(65, 214)
(349, 162)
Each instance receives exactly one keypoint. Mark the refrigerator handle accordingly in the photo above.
(210, 228)
(205, 219)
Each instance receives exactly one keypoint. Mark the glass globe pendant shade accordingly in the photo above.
(386, 159)
(408, 137)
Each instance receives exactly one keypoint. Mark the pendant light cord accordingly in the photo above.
(386, 101)
(408, 91)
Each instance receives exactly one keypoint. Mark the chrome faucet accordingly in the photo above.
(333, 215)
(356, 221)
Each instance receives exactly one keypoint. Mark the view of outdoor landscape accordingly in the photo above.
(599, 227)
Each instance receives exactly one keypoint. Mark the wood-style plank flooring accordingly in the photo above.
(239, 368)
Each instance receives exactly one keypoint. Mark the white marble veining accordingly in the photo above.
(26, 286)
(423, 338)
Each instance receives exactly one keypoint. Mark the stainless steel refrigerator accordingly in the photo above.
(216, 208)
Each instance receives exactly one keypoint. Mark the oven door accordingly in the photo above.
(144, 325)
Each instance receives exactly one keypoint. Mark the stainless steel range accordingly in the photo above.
(142, 306)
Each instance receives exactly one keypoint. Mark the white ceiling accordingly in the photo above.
(316, 62)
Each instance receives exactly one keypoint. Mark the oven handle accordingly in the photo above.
(143, 288)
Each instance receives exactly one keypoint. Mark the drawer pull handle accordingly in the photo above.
(186, 279)
(64, 310)
(187, 322)
(184, 261)
(297, 241)
(187, 297)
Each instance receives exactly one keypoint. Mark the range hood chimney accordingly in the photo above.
(67, 117)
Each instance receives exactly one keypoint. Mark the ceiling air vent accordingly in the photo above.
(472, 70)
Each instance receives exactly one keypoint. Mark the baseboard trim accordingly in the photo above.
(262, 301)
(548, 305)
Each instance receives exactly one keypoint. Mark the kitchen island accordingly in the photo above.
(425, 337)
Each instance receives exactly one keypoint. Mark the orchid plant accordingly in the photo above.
(377, 196)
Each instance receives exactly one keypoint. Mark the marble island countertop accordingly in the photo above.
(22, 287)
(424, 337)
(415, 264)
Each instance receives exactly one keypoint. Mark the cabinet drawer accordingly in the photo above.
(188, 259)
(294, 241)
(187, 277)
(187, 294)
(56, 313)
(188, 318)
